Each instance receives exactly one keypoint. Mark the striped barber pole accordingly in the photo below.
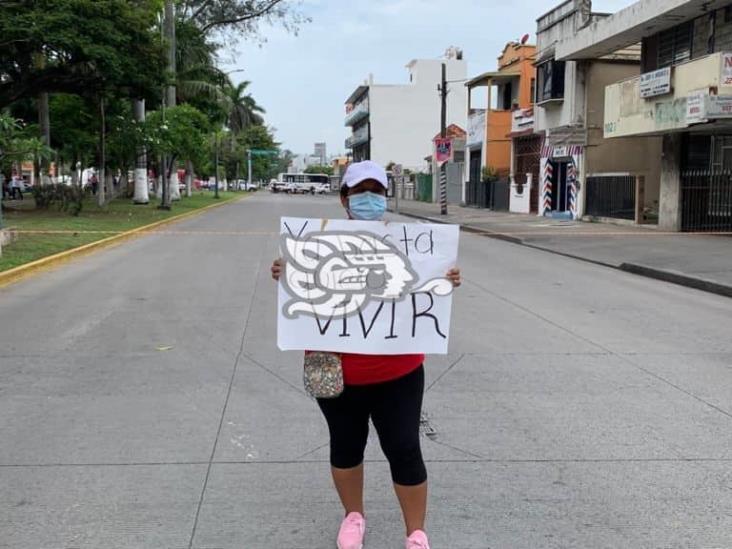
(547, 187)
(572, 183)
(443, 189)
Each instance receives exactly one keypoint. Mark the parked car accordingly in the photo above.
(278, 186)
(246, 186)
(321, 188)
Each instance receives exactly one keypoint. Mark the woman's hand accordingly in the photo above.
(276, 269)
(453, 275)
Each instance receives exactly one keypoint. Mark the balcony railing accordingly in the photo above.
(359, 112)
(657, 102)
(359, 136)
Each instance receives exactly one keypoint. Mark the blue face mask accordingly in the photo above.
(367, 206)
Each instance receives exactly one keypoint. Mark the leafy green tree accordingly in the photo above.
(87, 46)
(243, 109)
(75, 129)
(17, 144)
(328, 170)
(179, 132)
(198, 80)
(240, 17)
(253, 137)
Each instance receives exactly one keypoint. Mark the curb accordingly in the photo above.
(39, 265)
(632, 268)
(678, 278)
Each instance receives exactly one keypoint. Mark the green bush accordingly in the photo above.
(67, 198)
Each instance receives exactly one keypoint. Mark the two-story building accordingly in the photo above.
(508, 89)
(396, 123)
(581, 172)
(683, 93)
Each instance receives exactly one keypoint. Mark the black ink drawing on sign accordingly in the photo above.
(332, 274)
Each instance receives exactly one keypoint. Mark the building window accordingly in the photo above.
(551, 81)
(533, 90)
(675, 45)
(506, 97)
(712, 30)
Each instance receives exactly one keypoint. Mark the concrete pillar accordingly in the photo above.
(669, 207)
(640, 199)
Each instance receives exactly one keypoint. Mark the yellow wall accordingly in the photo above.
(627, 114)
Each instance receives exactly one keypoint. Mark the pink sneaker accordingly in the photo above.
(353, 528)
(418, 540)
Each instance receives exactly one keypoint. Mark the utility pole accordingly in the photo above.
(443, 134)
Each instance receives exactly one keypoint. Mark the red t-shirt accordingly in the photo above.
(367, 369)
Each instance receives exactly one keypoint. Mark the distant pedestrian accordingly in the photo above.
(94, 182)
(387, 389)
(16, 188)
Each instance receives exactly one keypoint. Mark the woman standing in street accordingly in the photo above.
(387, 389)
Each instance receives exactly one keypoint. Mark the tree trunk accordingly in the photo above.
(141, 195)
(44, 123)
(173, 187)
(189, 178)
(159, 178)
(109, 184)
(169, 28)
(101, 194)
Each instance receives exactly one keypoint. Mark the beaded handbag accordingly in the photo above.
(323, 375)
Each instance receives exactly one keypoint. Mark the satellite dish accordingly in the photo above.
(525, 39)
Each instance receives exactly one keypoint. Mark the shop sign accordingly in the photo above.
(655, 83)
(561, 151)
(443, 150)
(719, 106)
(696, 107)
(727, 69)
(476, 128)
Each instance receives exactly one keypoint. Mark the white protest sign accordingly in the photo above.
(365, 287)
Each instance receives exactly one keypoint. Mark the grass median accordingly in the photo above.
(46, 232)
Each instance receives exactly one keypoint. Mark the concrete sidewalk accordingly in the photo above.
(701, 261)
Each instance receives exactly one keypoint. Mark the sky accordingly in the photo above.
(303, 80)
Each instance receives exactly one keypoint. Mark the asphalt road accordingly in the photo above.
(143, 404)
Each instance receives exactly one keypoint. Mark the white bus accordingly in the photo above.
(295, 183)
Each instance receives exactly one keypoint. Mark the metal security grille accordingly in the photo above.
(611, 196)
(478, 193)
(501, 195)
(494, 195)
(706, 200)
(528, 160)
(675, 45)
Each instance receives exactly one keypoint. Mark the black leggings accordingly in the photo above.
(394, 408)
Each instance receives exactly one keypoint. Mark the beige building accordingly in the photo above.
(681, 94)
(581, 172)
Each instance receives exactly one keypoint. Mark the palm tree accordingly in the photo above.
(243, 109)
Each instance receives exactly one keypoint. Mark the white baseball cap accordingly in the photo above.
(361, 171)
